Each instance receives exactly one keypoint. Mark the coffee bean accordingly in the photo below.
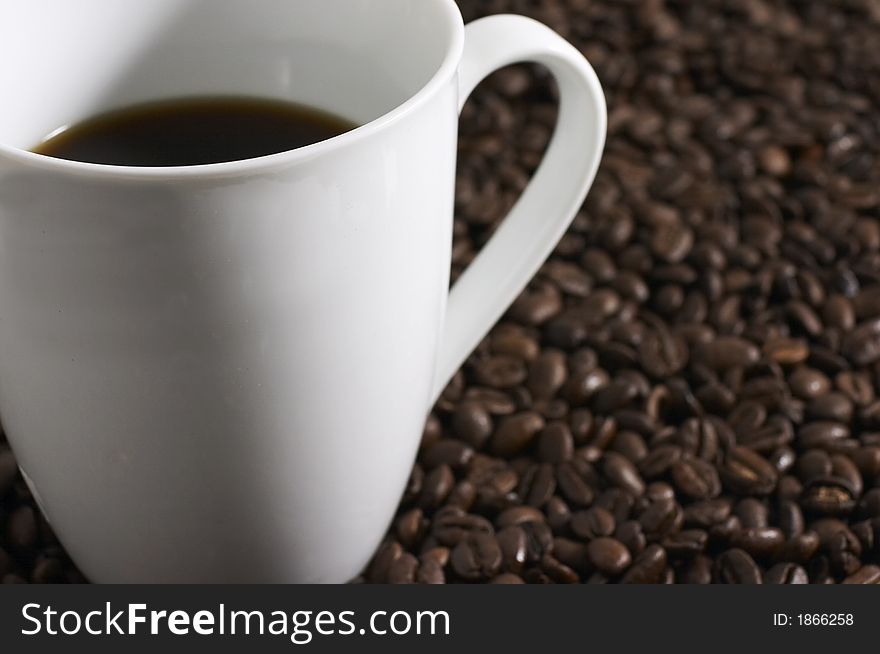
(868, 574)
(592, 523)
(787, 351)
(516, 515)
(687, 543)
(833, 407)
(547, 374)
(609, 556)
(760, 542)
(828, 496)
(537, 485)
(661, 518)
(809, 383)
(500, 372)
(695, 571)
(647, 568)
(450, 528)
(513, 544)
(867, 460)
(621, 472)
(385, 557)
(515, 433)
(472, 423)
(752, 513)
(707, 513)
(862, 344)
(696, 479)
(430, 572)
(514, 342)
(555, 443)
(477, 557)
(660, 460)
(572, 486)
(449, 452)
(727, 352)
(746, 473)
(493, 401)
(786, 573)
(735, 566)
(791, 519)
(403, 569)
(436, 487)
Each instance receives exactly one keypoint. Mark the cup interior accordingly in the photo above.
(63, 61)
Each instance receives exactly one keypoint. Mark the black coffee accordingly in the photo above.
(193, 131)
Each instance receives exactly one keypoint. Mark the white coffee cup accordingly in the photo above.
(221, 372)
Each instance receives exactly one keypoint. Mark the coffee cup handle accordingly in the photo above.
(541, 216)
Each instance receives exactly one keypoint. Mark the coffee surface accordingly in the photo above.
(193, 131)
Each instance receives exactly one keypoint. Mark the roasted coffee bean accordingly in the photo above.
(472, 423)
(555, 443)
(707, 513)
(630, 534)
(630, 445)
(539, 540)
(790, 519)
(752, 513)
(647, 568)
(592, 523)
(661, 518)
(610, 556)
(735, 566)
(696, 479)
(808, 383)
(409, 527)
(687, 543)
(619, 503)
(478, 557)
(800, 549)
(547, 374)
(695, 571)
(727, 352)
(572, 486)
(867, 461)
(558, 571)
(660, 460)
(573, 554)
(786, 573)
(868, 574)
(621, 472)
(449, 452)
(450, 528)
(746, 473)
(387, 554)
(537, 485)
(828, 496)
(862, 344)
(516, 515)
(760, 542)
(403, 569)
(436, 487)
(515, 433)
(500, 372)
(513, 544)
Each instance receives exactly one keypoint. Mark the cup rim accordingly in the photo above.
(448, 67)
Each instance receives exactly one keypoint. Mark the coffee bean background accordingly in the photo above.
(689, 390)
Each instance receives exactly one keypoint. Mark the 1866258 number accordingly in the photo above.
(824, 619)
